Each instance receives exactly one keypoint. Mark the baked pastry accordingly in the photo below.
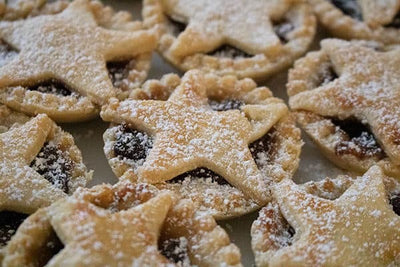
(346, 98)
(69, 63)
(21, 9)
(377, 20)
(39, 164)
(248, 40)
(217, 140)
(121, 225)
(342, 222)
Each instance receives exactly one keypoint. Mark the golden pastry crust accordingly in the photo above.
(68, 82)
(334, 222)
(354, 81)
(123, 226)
(23, 141)
(182, 108)
(17, 9)
(378, 16)
(244, 26)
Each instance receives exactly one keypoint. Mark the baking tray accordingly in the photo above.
(89, 138)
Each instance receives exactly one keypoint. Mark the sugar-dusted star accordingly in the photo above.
(377, 12)
(71, 47)
(212, 23)
(94, 236)
(359, 228)
(21, 188)
(368, 89)
(189, 134)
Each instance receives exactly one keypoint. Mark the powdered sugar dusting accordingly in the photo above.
(333, 230)
(189, 134)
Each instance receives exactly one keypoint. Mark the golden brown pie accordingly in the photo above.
(67, 64)
(377, 20)
(346, 97)
(245, 39)
(121, 225)
(217, 140)
(335, 222)
(39, 164)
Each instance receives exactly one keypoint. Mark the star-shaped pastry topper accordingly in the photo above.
(377, 12)
(71, 47)
(212, 23)
(21, 188)
(188, 134)
(367, 89)
(359, 228)
(96, 236)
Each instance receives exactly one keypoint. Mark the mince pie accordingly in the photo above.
(217, 140)
(377, 20)
(39, 164)
(346, 98)
(69, 63)
(121, 225)
(241, 38)
(338, 222)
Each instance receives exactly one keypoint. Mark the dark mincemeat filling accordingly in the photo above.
(54, 166)
(51, 249)
(132, 144)
(395, 202)
(326, 75)
(361, 143)
(175, 250)
(52, 87)
(177, 26)
(224, 105)
(282, 29)
(228, 51)
(288, 233)
(9, 223)
(349, 7)
(119, 70)
(352, 9)
(395, 23)
(200, 173)
(261, 149)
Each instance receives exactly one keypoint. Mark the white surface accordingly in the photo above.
(88, 137)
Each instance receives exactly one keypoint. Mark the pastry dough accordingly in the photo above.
(365, 91)
(356, 228)
(121, 225)
(360, 19)
(185, 133)
(60, 68)
(262, 38)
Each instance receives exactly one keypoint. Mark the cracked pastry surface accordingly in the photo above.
(346, 98)
(377, 20)
(39, 164)
(67, 61)
(124, 224)
(334, 222)
(216, 140)
(248, 40)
